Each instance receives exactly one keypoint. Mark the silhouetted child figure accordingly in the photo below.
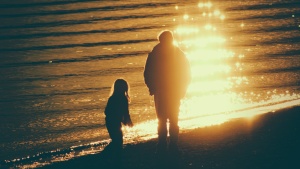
(117, 112)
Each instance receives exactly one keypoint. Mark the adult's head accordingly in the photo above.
(165, 37)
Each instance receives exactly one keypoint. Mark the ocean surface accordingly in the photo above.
(59, 58)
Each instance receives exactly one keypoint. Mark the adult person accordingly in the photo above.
(167, 75)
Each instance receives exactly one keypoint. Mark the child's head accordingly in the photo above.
(121, 87)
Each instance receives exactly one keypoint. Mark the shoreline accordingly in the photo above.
(264, 141)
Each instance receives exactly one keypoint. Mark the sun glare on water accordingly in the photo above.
(216, 72)
(212, 66)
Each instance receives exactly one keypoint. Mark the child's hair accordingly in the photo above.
(120, 86)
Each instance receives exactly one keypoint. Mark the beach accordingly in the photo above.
(59, 59)
(264, 141)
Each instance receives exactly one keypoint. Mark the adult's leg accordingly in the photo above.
(174, 131)
(173, 120)
(162, 122)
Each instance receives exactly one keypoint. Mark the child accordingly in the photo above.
(117, 112)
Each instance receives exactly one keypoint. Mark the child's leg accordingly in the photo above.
(117, 146)
(115, 134)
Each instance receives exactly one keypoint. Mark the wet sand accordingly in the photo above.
(270, 140)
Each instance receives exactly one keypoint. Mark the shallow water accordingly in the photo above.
(59, 59)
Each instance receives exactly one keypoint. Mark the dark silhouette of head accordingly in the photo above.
(121, 87)
(165, 37)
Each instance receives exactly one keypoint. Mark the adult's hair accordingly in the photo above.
(165, 36)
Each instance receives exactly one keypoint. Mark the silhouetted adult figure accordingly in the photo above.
(167, 75)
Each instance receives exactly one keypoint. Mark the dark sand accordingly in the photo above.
(266, 141)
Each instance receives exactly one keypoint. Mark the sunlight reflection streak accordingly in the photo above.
(217, 90)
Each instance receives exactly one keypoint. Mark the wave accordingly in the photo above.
(292, 69)
(77, 45)
(44, 158)
(274, 41)
(270, 5)
(29, 97)
(286, 40)
(266, 42)
(72, 60)
(39, 4)
(87, 74)
(282, 28)
(283, 15)
(84, 10)
(290, 52)
(85, 21)
(57, 34)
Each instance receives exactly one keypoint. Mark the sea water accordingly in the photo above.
(58, 60)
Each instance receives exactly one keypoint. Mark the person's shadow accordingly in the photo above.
(169, 160)
(112, 156)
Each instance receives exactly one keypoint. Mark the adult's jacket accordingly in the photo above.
(167, 71)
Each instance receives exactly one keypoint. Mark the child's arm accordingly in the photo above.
(128, 122)
(126, 117)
